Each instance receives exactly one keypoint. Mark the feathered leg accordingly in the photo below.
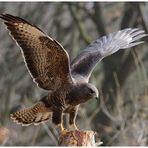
(57, 119)
(72, 118)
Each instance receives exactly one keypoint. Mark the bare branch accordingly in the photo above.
(79, 24)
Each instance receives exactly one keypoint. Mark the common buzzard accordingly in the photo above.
(48, 64)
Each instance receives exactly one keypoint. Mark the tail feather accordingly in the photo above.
(34, 115)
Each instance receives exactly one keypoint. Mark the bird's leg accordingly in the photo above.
(73, 126)
(72, 118)
(60, 127)
(57, 119)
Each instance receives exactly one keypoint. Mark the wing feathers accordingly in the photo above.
(103, 47)
(134, 44)
(139, 37)
(46, 60)
(14, 19)
(34, 115)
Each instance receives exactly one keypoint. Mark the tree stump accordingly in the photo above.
(77, 138)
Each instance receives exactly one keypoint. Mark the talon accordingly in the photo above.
(61, 129)
(64, 131)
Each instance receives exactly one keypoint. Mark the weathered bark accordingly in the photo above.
(78, 138)
(4, 135)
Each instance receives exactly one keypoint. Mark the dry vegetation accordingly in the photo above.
(121, 116)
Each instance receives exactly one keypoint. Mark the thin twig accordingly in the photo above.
(35, 135)
(79, 24)
(98, 19)
(50, 134)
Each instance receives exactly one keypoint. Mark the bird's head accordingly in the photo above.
(87, 92)
(92, 91)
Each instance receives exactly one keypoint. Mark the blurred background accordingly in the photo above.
(120, 118)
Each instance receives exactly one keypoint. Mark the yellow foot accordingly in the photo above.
(61, 129)
(64, 131)
(73, 127)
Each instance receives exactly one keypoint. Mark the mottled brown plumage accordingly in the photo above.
(43, 55)
(48, 64)
(36, 114)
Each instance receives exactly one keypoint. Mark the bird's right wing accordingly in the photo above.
(46, 60)
(85, 62)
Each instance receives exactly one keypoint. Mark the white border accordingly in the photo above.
(74, 1)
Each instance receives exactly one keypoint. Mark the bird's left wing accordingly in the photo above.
(46, 60)
(85, 62)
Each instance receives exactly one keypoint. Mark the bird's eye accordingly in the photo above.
(91, 91)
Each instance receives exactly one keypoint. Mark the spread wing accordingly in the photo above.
(85, 62)
(45, 58)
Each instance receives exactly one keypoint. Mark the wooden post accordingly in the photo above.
(77, 138)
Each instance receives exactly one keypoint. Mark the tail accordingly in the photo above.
(34, 115)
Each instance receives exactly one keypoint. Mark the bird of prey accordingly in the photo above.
(49, 65)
